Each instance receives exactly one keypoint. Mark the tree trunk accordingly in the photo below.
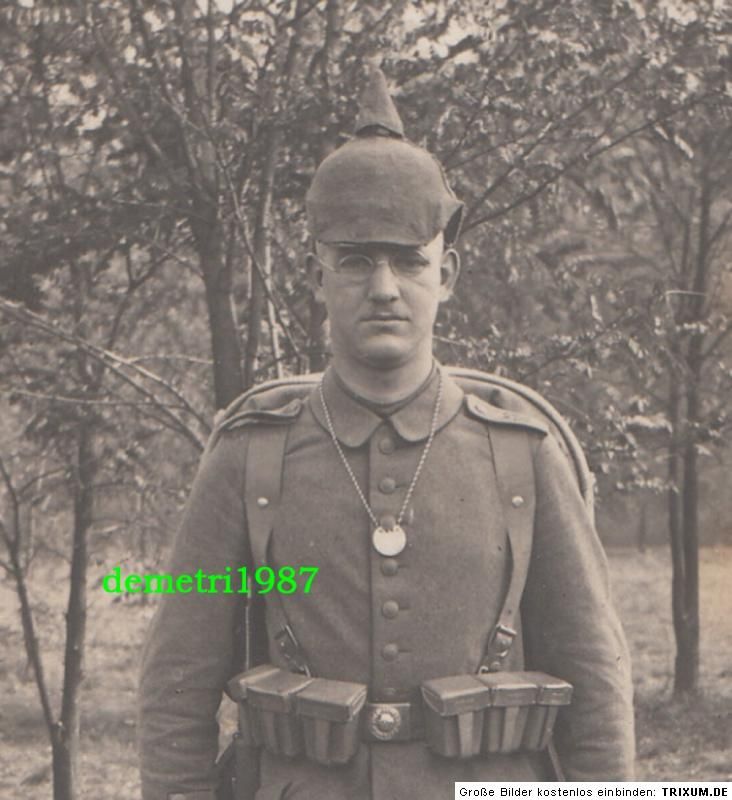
(65, 737)
(63, 766)
(254, 318)
(643, 529)
(686, 676)
(217, 278)
(317, 353)
(228, 379)
(258, 301)
(675, 521)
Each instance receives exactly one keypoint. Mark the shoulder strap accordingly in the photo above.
(262, 493)
(504, 393)
(513, 465)
(500, 392)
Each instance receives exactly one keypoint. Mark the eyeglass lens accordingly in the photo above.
(360, 265)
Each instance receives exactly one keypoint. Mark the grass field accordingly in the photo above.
(676, 741)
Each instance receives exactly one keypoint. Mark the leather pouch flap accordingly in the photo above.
(336, 701)
(237, 688)
(551, 691)
(457, 694)
(276, 691)
(510, 688)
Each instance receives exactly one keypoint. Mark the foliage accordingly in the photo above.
(201, 124)
(154, 157)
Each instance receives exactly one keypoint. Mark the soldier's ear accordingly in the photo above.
(315, 276)
(449, 272)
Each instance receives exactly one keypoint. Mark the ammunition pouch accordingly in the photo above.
(330, 714)
(498, 712)
(290, 714)
(462, 716)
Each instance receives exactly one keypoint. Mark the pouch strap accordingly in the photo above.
(556, 766)
(262, 495)
(514, 468)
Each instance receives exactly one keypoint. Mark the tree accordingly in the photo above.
(638, 248)
(664, 256)
(691, 209)
(70, 253)
(155, 155)
(220, 111)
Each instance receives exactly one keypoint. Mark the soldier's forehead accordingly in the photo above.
(378, 244)
(375, 245)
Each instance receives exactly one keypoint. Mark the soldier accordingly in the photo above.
(430, 514)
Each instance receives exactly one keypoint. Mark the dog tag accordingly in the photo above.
(389, 542)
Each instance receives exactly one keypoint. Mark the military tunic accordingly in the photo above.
(391, 623)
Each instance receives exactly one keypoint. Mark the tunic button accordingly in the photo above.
(387, 446)
(387, 485)
(389, 567)
(517, 501)
(387, 522)
(390, 652)
(390, 609)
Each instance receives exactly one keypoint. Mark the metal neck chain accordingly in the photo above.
(420, 465)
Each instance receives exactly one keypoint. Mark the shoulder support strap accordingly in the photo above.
(513, 465)
(262, 494)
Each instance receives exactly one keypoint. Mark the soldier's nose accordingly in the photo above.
(383, 284)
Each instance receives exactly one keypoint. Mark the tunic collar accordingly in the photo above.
(354, 423)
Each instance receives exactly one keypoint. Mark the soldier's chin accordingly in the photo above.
(386, 354)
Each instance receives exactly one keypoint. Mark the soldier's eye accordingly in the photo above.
(409, 263)
(356, 264)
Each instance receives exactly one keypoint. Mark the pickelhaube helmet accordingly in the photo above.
(380, 187)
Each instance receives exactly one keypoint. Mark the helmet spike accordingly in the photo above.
(378, 114)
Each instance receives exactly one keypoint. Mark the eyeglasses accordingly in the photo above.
(360, 266)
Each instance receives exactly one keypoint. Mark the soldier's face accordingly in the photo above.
(382, 299)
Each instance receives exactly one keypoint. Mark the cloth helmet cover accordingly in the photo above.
(379, 187)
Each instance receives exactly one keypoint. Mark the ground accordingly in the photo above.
(689, 740)
(676, 740)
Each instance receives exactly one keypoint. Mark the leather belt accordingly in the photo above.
(392, 722)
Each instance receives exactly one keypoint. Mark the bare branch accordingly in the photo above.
(30, 638)
(81, 401)
(717, 342)
(118, 365)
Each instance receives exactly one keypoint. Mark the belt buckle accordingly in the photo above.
(384, 721)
